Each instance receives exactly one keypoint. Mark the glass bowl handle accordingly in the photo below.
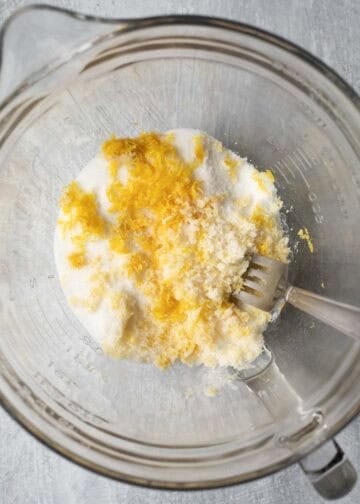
(329, 471)
(327, 467)
(39, 38)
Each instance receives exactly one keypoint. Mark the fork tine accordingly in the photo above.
(252, 285)
(257, 275)
(262, 261)
(261, 282)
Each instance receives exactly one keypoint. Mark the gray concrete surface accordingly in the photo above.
(32, 474)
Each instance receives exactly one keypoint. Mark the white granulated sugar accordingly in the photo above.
(236, 214)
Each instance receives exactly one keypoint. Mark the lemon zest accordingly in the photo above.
(304, 234)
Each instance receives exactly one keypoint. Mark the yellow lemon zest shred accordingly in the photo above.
(77, 259)
(232, 165)
(304, 234)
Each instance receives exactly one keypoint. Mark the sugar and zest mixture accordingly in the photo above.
(171, 254)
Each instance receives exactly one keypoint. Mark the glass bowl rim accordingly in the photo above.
(134, 24)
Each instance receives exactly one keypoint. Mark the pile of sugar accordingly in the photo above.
(153, 238)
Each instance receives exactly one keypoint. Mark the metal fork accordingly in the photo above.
(266, 287)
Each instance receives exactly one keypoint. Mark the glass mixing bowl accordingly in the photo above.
(68, 82)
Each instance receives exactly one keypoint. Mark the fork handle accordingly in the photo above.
(343, 317)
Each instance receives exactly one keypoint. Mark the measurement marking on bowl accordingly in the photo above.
(312, 115)
(298, 169)
(306, 161)
(287, 165)
(275, 144)
(312, 161)
(315, 205)
(300, 160)
(332, 170)
(340, 198)
(278, 166)
(62, 375)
